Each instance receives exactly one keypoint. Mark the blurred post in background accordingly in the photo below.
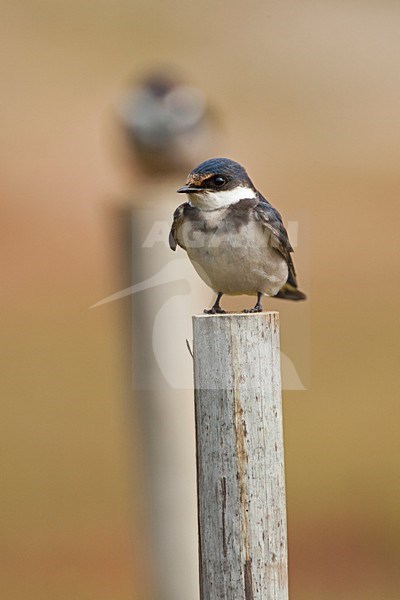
(169, 129)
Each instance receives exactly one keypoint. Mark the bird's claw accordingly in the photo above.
(215, 310)
(256, 309)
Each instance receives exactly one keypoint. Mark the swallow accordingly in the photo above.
(233, 236)
(165, 120)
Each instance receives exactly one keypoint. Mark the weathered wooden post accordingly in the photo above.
(240, 459)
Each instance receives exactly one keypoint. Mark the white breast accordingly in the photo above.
(237, 262)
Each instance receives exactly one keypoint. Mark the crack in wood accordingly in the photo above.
(248, 580)
(223, 491)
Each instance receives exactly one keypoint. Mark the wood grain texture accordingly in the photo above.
(240, 459)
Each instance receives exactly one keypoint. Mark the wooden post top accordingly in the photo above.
(266, 313)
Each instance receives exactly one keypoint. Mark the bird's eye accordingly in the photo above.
(219, 181)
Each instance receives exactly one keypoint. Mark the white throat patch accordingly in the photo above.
(220, 199)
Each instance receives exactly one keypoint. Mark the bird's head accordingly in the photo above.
(216, 183)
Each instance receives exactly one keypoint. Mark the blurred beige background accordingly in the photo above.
(309, 93)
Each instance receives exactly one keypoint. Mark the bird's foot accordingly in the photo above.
(256, 309)
(215, 310)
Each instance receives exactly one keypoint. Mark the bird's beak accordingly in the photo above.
(188, 189)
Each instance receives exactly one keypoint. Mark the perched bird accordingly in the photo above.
(168, 123)
(234, 238)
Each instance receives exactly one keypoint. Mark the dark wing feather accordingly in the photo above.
(272, 220)
(176, 223)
